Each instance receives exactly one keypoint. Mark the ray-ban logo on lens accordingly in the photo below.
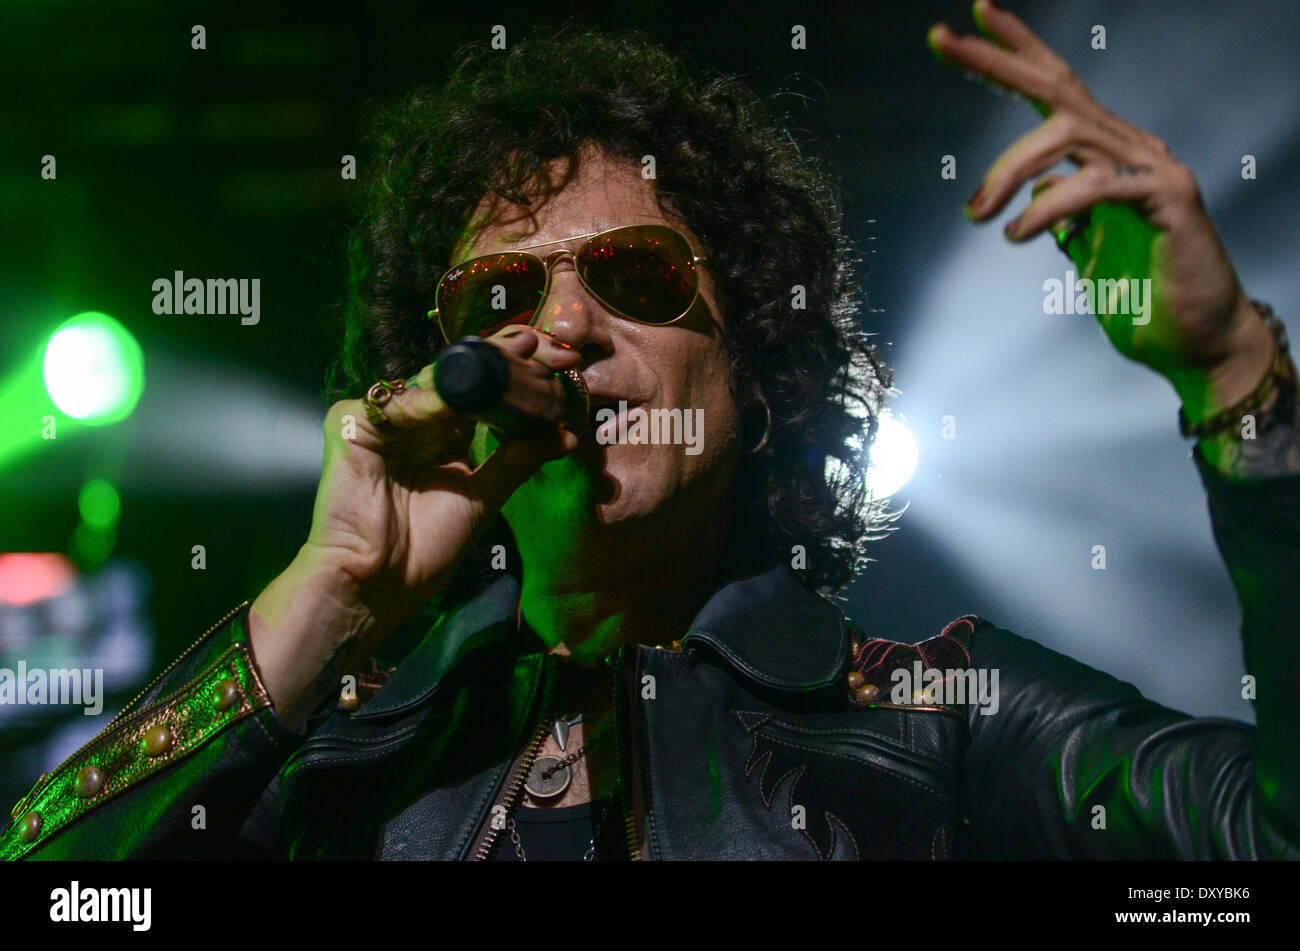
(182, 295)
(639, 426)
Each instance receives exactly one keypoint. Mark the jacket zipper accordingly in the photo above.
(627, 732)
(514, 782)
(41, 783)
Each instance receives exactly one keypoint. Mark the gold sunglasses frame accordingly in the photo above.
(549, 261)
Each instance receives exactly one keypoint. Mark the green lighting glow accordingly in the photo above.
(90, 546)
(99, 504)
(94, 369)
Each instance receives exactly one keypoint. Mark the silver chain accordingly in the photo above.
(568, 761)
(588, 856)
(514, 837)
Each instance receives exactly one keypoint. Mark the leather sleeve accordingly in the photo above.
(1068, 739)
(203, 733)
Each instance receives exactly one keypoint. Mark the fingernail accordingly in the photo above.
(976, 200)
(556, 340)
(1012, 227)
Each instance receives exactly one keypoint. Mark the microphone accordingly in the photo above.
(476, 378)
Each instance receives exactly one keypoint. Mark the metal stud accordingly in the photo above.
(89, 781)
(227, 693)
(29, 827)
(157, 741)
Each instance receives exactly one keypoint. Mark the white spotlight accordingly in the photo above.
(893, 458)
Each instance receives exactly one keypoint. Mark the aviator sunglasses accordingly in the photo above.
(643, 273)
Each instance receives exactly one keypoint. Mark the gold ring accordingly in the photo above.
(376, 397)
(577, 401)
(1073, 227)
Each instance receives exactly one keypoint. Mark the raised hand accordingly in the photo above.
(1145, 213)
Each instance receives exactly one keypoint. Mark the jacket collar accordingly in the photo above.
(768, 627)
(773, 630)
(488, 617)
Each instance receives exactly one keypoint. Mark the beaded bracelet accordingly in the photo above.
(1280, 380)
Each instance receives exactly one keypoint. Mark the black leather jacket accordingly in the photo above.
(718, 744)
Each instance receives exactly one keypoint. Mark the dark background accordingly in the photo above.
(225, 163)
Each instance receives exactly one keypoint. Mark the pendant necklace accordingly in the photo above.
(550, 776)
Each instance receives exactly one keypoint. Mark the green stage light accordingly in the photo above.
(94, 369)
(99, 504)
(91, 546)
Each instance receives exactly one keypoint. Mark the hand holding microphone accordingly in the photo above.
(400, 502)
(513, 395)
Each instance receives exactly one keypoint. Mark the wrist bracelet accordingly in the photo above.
(1280, 380)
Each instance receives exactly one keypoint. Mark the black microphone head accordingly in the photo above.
(471, 375)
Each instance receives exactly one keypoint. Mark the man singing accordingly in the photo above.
(635, 653)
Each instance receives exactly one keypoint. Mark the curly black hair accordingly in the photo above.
(767, 214)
